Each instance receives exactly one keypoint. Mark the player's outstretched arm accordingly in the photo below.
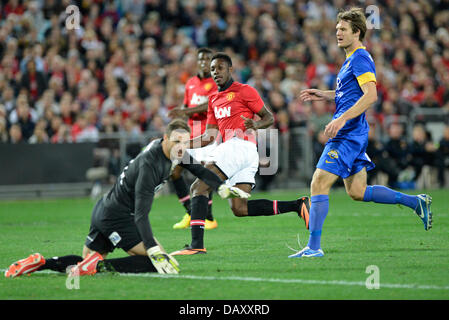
(198, 109)
(316, 95)
(183, 111)
(178, 112)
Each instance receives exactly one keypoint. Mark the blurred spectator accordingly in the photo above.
(15, 134)
(34, 81)
(442, 157)
(39, 136)
(384, 163)
(24, 116)
(429, 99)
(4, 137)
(319, 117)
(84, 130)
(8, 99)
(422, 150)
(45, 103)
(397, 147)
(13, 7)
(62, 134)
(318, 143)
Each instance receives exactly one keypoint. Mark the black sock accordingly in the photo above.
(183, 192)
(209, 215)
(199, 211)
(60, 264)
(262, 207)
(131, 264)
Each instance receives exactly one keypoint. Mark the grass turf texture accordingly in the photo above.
(247, 257)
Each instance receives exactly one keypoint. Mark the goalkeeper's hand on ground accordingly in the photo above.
(162, 261)
(226, 192)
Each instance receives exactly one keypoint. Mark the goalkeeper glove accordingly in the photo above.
(163, 262)
(225, 192)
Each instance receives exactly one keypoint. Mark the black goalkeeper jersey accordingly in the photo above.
(133, 192)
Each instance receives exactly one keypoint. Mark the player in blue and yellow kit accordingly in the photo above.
(344, 154)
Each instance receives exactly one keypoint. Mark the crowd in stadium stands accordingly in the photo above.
(127, 63)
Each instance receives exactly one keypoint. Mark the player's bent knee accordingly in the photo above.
(355, 195)
(238, 212)
(199, 188)
(137, 250)
(318, 186)
(239, 209)
(322, 182)
(86, 251)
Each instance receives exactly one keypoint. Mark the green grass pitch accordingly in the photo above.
(247, 257)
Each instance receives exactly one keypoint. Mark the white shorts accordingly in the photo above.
(238, 159)
(203, 154)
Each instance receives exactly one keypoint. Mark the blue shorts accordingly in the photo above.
(345, 157)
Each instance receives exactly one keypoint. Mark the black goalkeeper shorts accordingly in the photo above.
(110, 230)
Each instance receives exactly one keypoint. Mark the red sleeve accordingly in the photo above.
(210, 113)
(252, 98)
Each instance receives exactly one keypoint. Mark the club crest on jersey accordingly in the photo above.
(333, 154)
(230, 96)
(224, 112)
(207, 86)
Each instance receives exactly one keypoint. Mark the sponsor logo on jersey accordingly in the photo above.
(197, 99)
(338, 93)
(224, 112)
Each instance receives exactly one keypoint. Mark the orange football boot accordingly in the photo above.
(24, 266)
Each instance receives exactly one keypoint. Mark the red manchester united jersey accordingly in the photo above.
(197, 92)
(226, 108)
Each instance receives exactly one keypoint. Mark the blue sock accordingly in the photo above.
(381, 194)
(318, 213)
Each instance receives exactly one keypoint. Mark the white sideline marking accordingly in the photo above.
(291, 281)
(300, 281)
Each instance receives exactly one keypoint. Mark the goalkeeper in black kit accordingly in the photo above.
(120, 218)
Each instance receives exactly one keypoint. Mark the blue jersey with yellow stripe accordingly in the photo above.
(357, 70)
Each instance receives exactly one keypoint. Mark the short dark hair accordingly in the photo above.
(204, 50)
(356, 19)
(224, 56)
(176, 124)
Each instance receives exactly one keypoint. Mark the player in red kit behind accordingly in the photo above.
(230, 113)
(196, 98)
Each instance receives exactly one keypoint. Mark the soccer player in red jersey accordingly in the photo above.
(196, 98)
(230, 113)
